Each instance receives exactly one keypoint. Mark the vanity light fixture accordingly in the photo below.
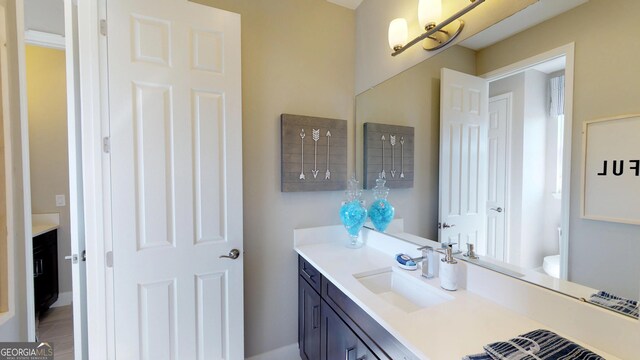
(437, 34)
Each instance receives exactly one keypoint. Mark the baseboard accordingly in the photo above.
(64, 299)
(289, 352)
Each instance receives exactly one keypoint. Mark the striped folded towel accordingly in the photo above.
(519, 345)
(482, 356)
(535, 345)
(617, 303)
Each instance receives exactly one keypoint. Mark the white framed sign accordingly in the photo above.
(611, 169)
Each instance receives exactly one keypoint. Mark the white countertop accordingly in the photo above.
(39, 229)
(43, 223)
(446, 331)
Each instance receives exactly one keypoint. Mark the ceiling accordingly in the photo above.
(533, 15)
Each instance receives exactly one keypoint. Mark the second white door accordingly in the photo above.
(464, 103)
(497, 193)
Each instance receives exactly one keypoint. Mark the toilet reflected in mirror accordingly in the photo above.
(551, 263)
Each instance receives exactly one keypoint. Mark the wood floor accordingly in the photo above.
(56, 326)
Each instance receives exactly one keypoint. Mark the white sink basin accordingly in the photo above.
(401, 289)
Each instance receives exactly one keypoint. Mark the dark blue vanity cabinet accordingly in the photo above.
(331, 326)
(45, 270)
(339, 341)
(309, 308)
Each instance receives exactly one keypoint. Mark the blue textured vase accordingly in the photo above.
(381, 212)
(353, 214)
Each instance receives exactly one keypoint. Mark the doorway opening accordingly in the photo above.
(529, 156)
(56, 298)
(526, 146)
(49, 170)
(505, 163)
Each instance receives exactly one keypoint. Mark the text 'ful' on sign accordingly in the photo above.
(618, 167)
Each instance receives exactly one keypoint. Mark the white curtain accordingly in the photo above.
(556, 93)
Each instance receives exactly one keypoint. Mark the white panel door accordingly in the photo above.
(499, 120)
(176, 174)
(464, 101)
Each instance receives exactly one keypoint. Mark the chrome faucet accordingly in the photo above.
(428, 262)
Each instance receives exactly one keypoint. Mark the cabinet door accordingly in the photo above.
(45, 270)
(39, 277)
(308, 321)
(339, 341)
(51, 268)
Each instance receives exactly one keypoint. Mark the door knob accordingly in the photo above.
(498, 209)
(446, 226)
(233, 254)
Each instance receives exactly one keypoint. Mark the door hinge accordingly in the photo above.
(103, 27)
(109, 259)
(106, 144)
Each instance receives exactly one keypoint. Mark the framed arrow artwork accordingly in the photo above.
(388, 153)
(313, 153)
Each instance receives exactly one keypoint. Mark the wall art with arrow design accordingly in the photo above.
(313, 153)
(388, 153)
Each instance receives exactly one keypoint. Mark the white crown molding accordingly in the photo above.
(349, 4)
(45, 39)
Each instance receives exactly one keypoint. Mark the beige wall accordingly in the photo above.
(47, 99)
(602, 255)
(297, 57)
(15, 329)
(412, 98)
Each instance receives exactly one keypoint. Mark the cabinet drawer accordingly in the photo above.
(383, 344)
(309, 273)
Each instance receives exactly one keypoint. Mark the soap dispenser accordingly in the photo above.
(449, 271)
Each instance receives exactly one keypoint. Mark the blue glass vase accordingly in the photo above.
(381, 212)
(353, 214)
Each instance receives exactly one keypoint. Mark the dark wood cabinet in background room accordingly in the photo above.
(45, 270)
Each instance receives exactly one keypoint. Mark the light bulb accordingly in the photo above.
(429, 12)
(398, 33)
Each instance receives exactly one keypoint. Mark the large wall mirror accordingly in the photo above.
(542, 85)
